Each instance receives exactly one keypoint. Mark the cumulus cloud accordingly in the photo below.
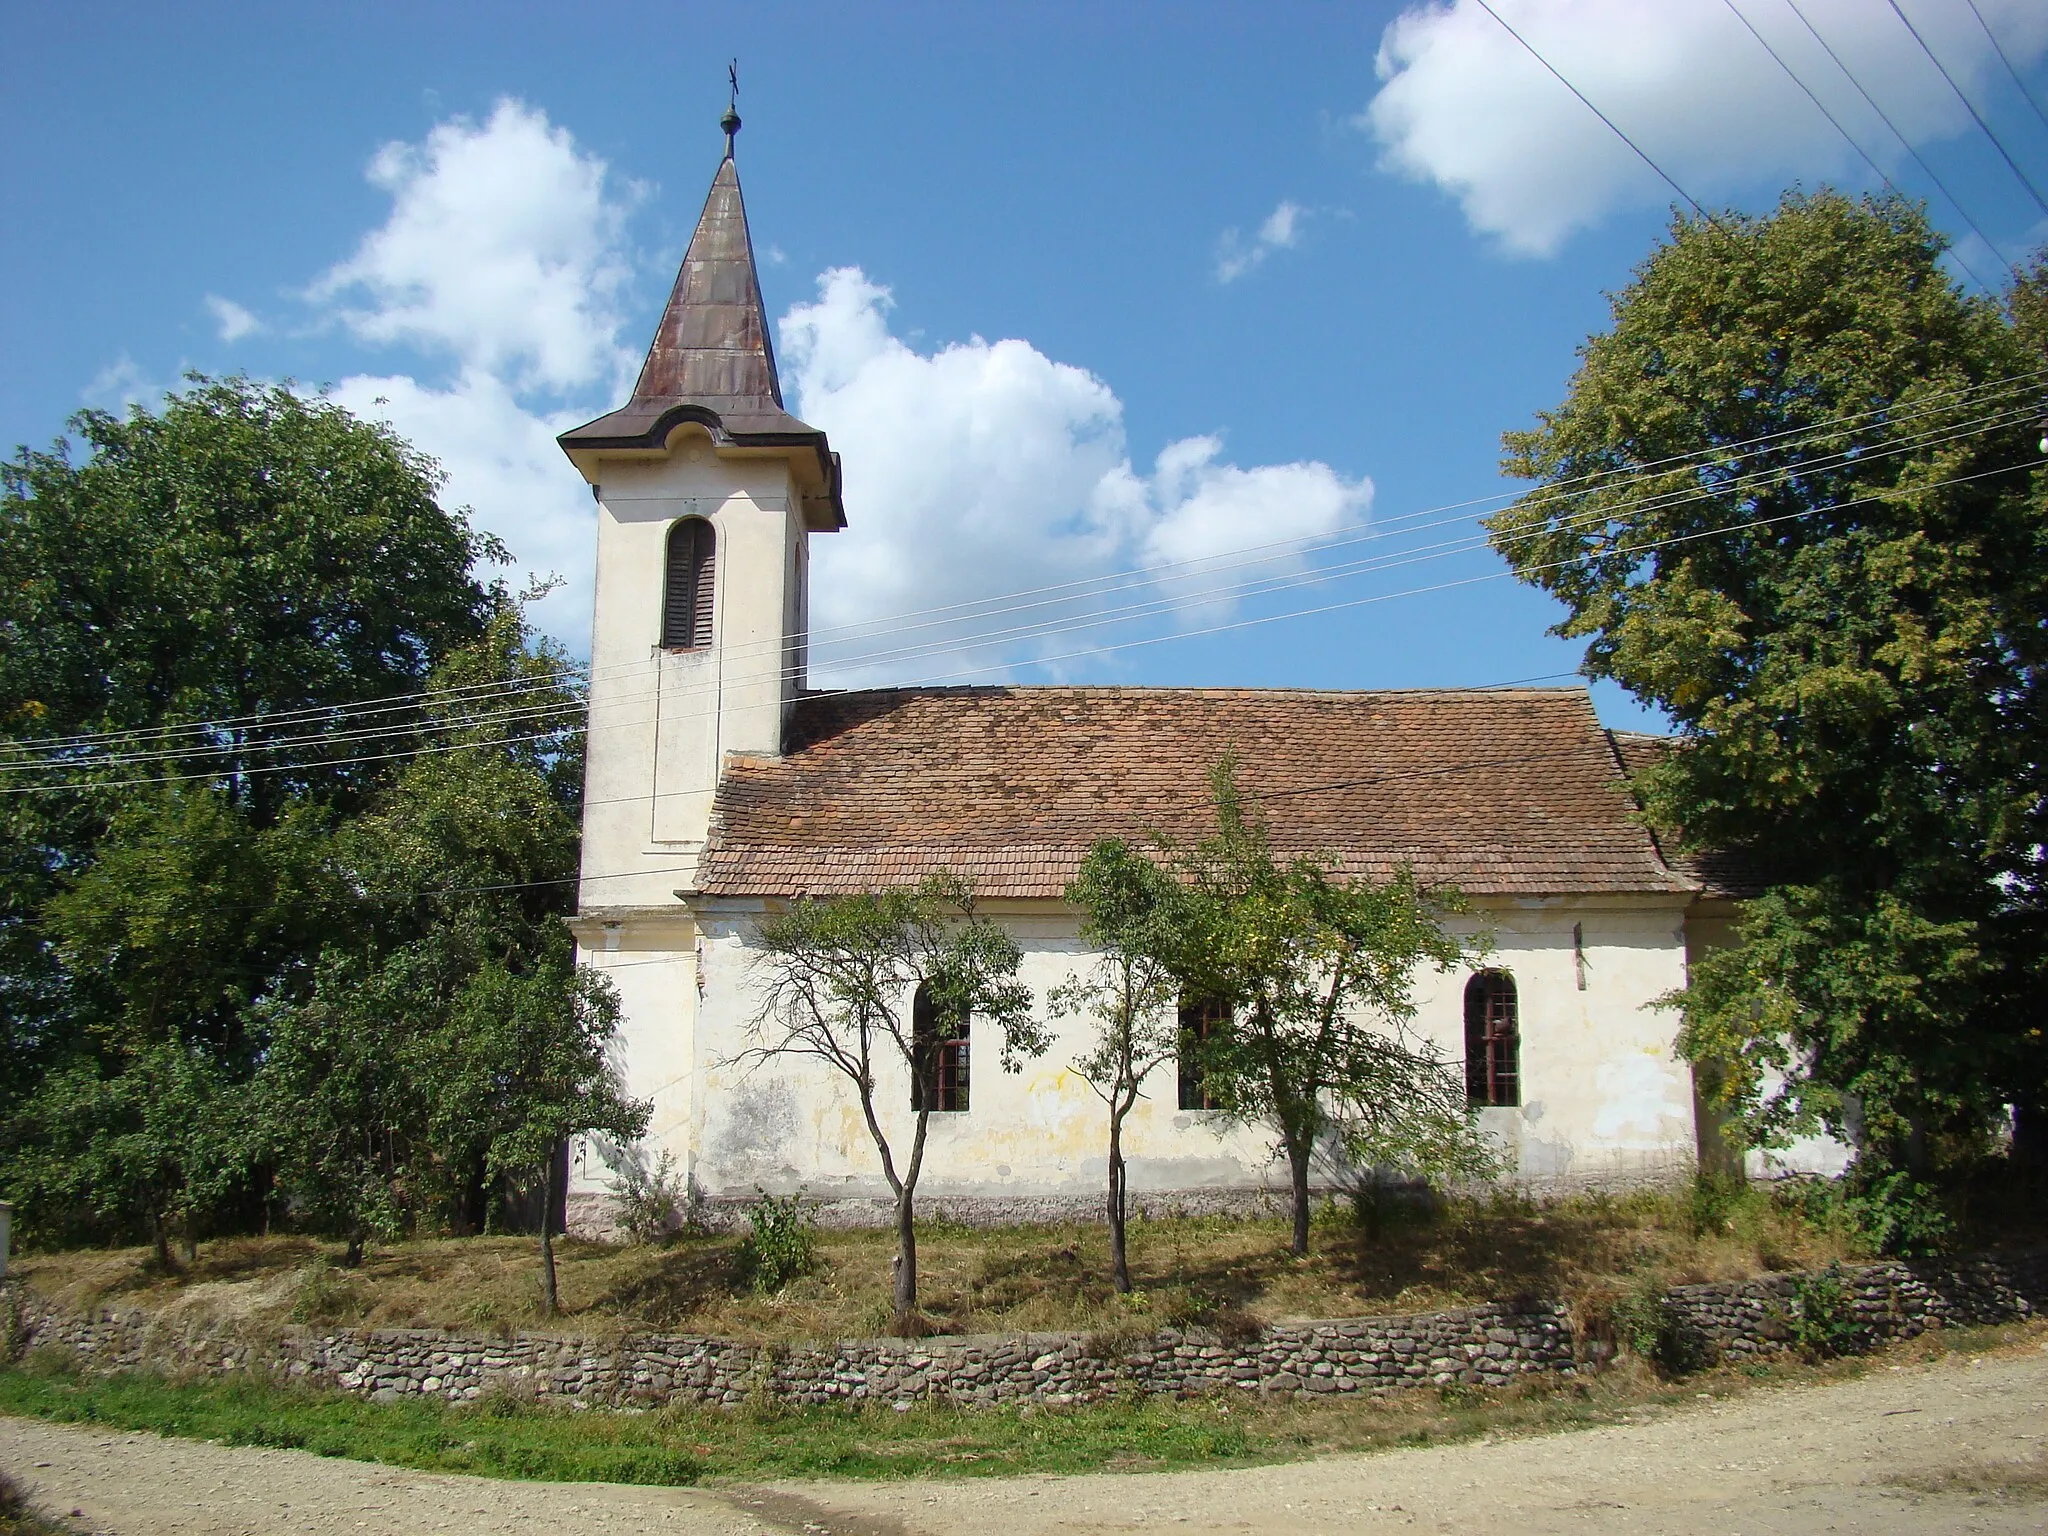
(233, 321)
(1463, 105)
(504, 250)
(1281, 231)
(504, 256)
(983, 469)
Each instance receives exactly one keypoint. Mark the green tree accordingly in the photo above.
(1131, 916)
(1792, 498)
(1319, 975)
(839, 983)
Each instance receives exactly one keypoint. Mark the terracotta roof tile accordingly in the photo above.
(1496, 792)
(1725, 873)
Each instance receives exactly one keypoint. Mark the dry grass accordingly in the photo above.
(1218, 1271)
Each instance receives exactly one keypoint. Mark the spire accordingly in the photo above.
(711, 361)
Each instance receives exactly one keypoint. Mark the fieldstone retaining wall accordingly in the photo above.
(1478, 1346)
(1751, 1318)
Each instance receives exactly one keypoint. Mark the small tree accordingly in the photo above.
(535, 1049)
(839, 985)
(1131, 915)
(1318, 973)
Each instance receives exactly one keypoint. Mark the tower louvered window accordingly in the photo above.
(1493, 1041)
(687, 585)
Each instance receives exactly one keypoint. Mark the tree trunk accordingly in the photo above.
(352, 1256)
(189, 1232)
(1297, 1167)
(550, 1299)
(1119, 1264)
(160, 1239)
(906, 1261)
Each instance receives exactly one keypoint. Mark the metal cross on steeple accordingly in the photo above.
(731, 121)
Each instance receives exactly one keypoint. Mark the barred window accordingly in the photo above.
(1200, 1018)
(1493, 1041)
(939, 1044)
(687, 585)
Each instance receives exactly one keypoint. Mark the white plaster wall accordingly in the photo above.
(661, 721)
(1604, 1097)
(652, 961)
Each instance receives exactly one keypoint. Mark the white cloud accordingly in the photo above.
(504, 250)
(1466, 106)
(120, 384)
(502, 463)
(234, 321)
(1281, 231)
(505, 255)
(986, 468)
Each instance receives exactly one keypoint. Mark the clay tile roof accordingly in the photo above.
(1723, 873)
(1509, 792)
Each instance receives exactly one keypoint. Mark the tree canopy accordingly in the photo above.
(1793, 499)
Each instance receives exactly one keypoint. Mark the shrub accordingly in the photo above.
(1649, 1327)
(784, 1242)
(647, 1204)
(1823, 1324)
(325, 1295)
(1896, 1214)
(1715, 1198)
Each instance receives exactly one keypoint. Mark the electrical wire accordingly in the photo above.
(1836, 124)
(1316, 576)
(1129, 613)
(1971, 107)
(1235, 625)
(1785, 437)
(1999, 49)
(1904, 142)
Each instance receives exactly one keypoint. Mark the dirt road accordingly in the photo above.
(1959, 1445)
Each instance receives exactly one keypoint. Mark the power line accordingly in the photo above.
(1836, 124)
(1235, 625)
(1741, 484)
(1999, 49)
(458, 694)
(1904, 142)
(1971, 107)
(1641, 154)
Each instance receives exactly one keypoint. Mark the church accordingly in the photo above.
(720, 786)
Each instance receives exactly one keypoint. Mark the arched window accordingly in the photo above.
(1493, 1040)
(1200, 1018)
(939, 1044)
(687, 581)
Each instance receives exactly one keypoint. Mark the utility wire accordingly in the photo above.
(1904, 142)
(1738, 485)
(425, 698)
(1971, 107)
(1999, 49)
(1581, 522)
(1836, 124)
(1641, 154)
(1235, 625)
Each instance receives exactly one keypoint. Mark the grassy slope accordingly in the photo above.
(762, 1441)
(1040, 1279)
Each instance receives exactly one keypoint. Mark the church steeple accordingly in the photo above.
(712, 361)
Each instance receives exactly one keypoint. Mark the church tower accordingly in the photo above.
(707, 494)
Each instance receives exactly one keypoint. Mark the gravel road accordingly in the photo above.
(1959, 1445)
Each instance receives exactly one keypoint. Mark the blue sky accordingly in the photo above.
(1076, 288)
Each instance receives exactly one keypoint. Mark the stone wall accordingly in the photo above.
(1478, 1346)
(1752, 1318)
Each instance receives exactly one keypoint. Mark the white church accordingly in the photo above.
(721, 786)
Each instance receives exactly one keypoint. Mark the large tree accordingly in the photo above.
(1793, 499)
(841, 982)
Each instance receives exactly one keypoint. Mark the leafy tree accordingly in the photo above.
(838, 987)
(1131, 916)
(1792, 498)
(1318, 973)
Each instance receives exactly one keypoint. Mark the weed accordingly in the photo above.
(20, 1517)
(784, 1242)
(324, 1294)
(1649, 1327)
(647, 1204)
(1897, 1214)
(1822, 1321)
